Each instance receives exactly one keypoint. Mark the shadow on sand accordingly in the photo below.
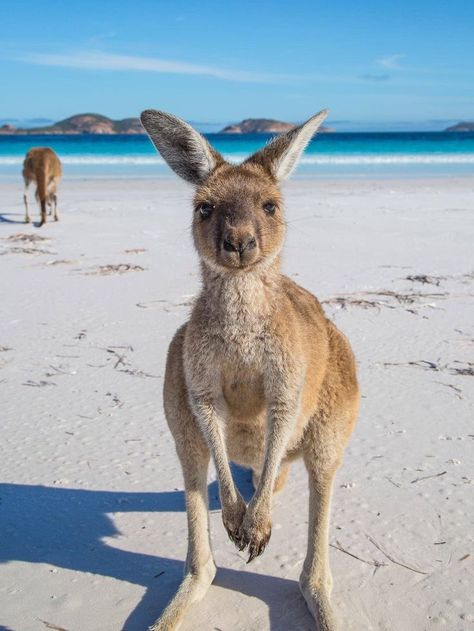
(66, 527)
(5, 218)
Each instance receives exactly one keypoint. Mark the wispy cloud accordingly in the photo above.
(97, 60)
(391, 61)
(375, 77)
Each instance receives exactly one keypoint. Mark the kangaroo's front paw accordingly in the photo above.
(255, 532)
(232, 515)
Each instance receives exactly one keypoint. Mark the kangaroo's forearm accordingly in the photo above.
(209, 422)
(282, 420)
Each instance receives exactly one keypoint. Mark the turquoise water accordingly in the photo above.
(333, 155)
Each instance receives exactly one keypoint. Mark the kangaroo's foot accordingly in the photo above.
(255, 531)
(192, 589)
(316, 594)
(232, 515)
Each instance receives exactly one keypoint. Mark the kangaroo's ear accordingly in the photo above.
(184, 149)
(281, 155)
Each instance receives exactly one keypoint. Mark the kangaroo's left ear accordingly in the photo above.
(282, 154)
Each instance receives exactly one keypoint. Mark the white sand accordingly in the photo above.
(93, 529)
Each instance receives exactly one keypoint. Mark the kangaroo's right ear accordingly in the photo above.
(184, 149)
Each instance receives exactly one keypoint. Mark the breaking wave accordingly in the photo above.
(321, 159)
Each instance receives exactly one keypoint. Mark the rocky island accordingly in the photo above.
(462, 126)
(82, 124)
(263, 126)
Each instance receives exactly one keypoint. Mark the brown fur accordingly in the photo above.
(42, 165)
(258, 375)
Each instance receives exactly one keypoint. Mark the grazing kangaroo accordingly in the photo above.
(42, 165)
(258, 375)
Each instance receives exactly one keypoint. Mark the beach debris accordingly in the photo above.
(108, 270)
(427, 477)
(135, 251)
(135, 372)
(166, 305)
(59, 371)
(457, 391)
(5, 349)
(122, 363)
(27, 237)
(399, 486)
(375, 563)
(344, 301)
(60, 262)
(121, 359)
(392, 559)
(39, 384)
(49, 625)
(81, 335)
(409, 298)
(466, 556)
(148, 305)
(425, 279)
(116, 402)
(25, 250)
(384, 299)
(465, 368)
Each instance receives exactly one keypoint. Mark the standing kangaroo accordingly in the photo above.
(258, 375)
(42, 165)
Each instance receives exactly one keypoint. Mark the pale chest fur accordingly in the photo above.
(236, 313)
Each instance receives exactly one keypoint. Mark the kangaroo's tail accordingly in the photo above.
(41, 176)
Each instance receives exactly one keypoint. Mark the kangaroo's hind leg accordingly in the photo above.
(25, 200)
(55, 211)
(200, 568)
(324, 446)
(194, 458)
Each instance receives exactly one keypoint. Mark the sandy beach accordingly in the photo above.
(92, 517)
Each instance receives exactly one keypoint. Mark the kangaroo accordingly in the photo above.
(42, 165)
(258, 375)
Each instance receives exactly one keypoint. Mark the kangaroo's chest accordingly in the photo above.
(245, 420)
(243, 392)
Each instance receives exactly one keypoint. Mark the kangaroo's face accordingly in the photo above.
(238, 217)
(238, 213)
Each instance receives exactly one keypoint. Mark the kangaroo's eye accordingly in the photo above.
(205, 209)
(269, 207)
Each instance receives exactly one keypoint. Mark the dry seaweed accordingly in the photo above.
(27, 237)
(390, 558)
(108, 270)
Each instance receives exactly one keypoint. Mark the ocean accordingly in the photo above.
(406, 154)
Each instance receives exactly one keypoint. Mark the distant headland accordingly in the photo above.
(263, 126)
(81, 124)
(463, 126)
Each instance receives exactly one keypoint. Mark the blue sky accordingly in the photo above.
(373, 63)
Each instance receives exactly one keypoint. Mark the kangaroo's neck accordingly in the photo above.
(244, 298)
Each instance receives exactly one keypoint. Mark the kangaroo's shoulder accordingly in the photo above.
(302, 300)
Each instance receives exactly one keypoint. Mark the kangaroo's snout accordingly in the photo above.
(237, 243)
(238, 246)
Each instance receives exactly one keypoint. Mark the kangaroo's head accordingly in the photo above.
(238, 219)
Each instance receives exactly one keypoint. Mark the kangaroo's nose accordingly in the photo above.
(239, 245)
